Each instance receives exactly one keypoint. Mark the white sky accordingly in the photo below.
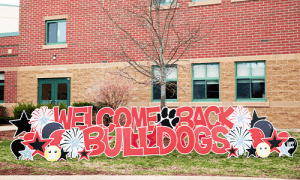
(10, 2)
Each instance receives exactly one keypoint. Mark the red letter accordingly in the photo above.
(143, 142)
(223, 116)
(161, 131)
(215, 132)
(127, 150)
(138, 119)
(118, 112)
(88, 141)
(206, 115)
(118, 142)
(207, 140)
(100, 115)
(201, 121)
(151, 118)
(79, 118)
(190, 146)
(187, 118)
(62, 119)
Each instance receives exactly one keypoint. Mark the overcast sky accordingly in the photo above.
(10, 2)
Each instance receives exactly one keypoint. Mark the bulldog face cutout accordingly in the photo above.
(263, 150)
(52, 153)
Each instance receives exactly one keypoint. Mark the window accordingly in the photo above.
(250, 81)
(166, 2)
(205, 79)
(56, 32)
(1, 87)
(171, 86)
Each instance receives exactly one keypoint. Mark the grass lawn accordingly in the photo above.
(171, 164)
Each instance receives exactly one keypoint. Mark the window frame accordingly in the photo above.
(205, 79)
(168, 80)
(163, 4)
(250, 78)
(2, 84)
(56, 21)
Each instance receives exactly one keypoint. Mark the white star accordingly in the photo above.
(284, 150)
(27, 154)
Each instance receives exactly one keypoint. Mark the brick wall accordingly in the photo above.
(242, 29)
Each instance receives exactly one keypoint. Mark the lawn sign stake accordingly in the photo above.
(57, 135)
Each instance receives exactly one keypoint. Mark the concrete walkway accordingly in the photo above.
(102, 177)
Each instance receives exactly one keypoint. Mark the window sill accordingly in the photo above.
(56, 46)
(168, 104)
(205, 104)
(203, 3)
(162, 7)
(251, 104)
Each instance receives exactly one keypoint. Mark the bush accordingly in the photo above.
(18, 109)
(2, 111)
(5, 120)
(30, 107)
(81, 104)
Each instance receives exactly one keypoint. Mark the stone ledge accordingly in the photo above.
(56, 46)
(203, 3)
(8, 104)
(251, 104)
(166, 7)
(58, 75)
(47, 18)
(205, 104)
(168, 104)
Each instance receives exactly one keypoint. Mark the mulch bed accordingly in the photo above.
(8, 135)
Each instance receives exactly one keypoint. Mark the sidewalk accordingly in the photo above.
(103, 177)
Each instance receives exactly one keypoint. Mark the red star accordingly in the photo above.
(38, 144)
(232, 151)
(84, 154)
(134, 138)
(152, 138)
(274, 141)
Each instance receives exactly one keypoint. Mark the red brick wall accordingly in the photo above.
(9, 60)
(10, 87)
(255, 27)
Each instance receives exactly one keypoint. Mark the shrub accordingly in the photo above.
(2, 111)
(18, 109)
(81, 104)
(30, 107)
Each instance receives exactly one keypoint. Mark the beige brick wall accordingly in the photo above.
(282, 78)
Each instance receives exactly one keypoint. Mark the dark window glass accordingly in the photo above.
(1, 81)
(62, 92)
(46, 92)
(171, 90)
(1, 93)
(212, 89)
(199, 89)
(156, 91)
(52, 32)
(258, 88)
(243, 88)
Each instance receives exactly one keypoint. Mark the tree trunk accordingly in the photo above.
(163, 96)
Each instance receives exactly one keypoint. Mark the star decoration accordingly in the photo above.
(27, 154)
(22, 124)
(63, 154)
(152, 137)
(255, 118)
(274, 141)
(38, 144)
(251, 151)
(232, 151)
(284, 150)
(84, 154)
(134, 138)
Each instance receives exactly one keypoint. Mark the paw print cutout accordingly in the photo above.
(167, 118)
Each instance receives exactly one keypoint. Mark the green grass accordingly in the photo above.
(171, 164)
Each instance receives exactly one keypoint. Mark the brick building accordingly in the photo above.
(254, 60)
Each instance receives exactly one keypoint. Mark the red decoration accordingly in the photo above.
(38, 144)
(232, 151)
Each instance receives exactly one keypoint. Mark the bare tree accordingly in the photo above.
(153, 33)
